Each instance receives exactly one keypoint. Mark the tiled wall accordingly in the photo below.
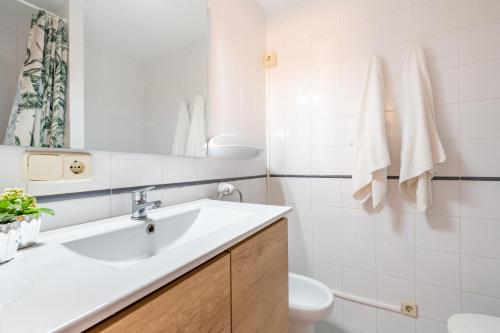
(174, 77)
(116, 171)
(448, 259)
(114, 100)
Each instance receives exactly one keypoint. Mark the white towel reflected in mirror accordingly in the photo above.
(181, 130)
(197, 138)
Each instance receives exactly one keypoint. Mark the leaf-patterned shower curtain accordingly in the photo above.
(38, 113)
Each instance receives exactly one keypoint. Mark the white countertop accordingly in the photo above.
(49, 288)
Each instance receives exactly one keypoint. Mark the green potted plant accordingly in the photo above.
(20, 215)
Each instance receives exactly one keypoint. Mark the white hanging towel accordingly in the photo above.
(181, 130)
(370, 150)
(197, 138)
(421, 148)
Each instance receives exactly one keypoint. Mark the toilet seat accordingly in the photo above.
(473, 323)
(309, 300)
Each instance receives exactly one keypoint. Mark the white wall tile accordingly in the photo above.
(438, 268)
(300, 265)
(359, 318)
(178, 169)
(441, 50)
(392, 28)
(473, 303)
(359, 283)
(326, 161)
(327, 220)
(437, 233)
(480, 157)
(480, 199)
(384, 6)
(480, 119)
(357, 223)
(481, 275)
(437, 303)
(395, 228)
(329, 274)
(480, 237)
(435, 16)
(390, 322)
(393, 290)
(478, 11)
(300, 244)
(327, 248)
(326, 192)
(177, 195)
(478, 81)
(475, 43)
(395, 260)
(357, 253)
(425, 325)
(300, 218)
(135, 170)
(444, 84)
(11, 167)
(76, 211)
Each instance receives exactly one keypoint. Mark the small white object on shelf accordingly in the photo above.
(232, 147)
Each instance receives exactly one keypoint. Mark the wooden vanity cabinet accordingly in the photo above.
(259, 281)
(199, 301)
(244, 289)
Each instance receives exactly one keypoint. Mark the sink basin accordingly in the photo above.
(128, 241)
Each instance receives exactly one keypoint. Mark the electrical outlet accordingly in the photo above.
(409, 308)
(77, 166)
(270, 60)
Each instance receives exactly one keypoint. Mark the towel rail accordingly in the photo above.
(366, 301)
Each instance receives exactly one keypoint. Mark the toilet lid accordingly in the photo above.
(473, 323)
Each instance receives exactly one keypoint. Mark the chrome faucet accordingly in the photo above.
(140, 204)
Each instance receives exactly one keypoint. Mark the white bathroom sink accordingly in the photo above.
(111, 263)
(127, 241)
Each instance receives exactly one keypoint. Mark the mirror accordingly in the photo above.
(146, 76)
(128, 75)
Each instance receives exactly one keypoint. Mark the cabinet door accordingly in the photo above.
(199, 301)
(259, 281)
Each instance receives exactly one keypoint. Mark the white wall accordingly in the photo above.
(448, 259)
(118, 170)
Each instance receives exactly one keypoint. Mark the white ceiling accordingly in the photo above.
(272, 6)
(145, 29)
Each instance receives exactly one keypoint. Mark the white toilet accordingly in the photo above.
(309, 301)
(473, 323)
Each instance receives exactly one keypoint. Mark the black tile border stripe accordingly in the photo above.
(456, 178)
(121, 190)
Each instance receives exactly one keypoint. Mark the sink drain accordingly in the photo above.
(151, 228)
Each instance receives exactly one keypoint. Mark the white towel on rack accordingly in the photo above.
(370, 150)
(421, 148)
(197, 138)
(181, 130)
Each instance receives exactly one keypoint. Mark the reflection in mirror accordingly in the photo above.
(146, 76)
(33, 72)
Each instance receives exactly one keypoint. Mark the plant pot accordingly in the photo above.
(29, 230)
(9, 234)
